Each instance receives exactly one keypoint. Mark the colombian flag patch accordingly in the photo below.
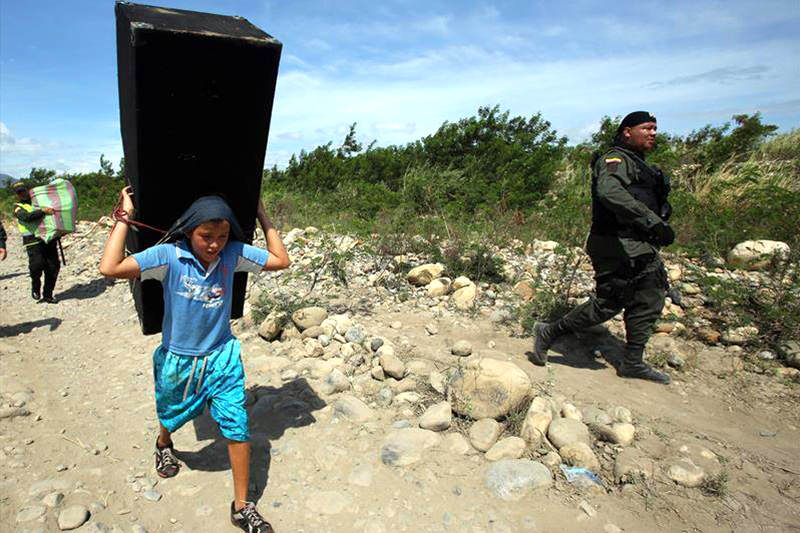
(612, 163)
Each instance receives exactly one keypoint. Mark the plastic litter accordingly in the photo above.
(582, 475)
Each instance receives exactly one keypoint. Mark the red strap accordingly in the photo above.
(120, 215)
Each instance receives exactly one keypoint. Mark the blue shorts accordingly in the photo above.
(186, 384)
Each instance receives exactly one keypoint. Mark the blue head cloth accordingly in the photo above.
(202, 210)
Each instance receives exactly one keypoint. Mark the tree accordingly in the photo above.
(105, 166)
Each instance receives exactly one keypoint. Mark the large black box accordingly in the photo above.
(195, 101)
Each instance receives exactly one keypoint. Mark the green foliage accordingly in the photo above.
(551, 296)
(508, 161)
(470, 165)
(716, 485)
(773, 305)
(712, 147)
(473, 260)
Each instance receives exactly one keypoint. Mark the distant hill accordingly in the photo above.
(5, 180)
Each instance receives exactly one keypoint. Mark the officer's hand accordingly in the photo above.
(48, 210)
(2, 254)
(662, 234)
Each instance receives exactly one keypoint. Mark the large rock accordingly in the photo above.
(508, 448)
(484, 433)
(424, 274)
(620, 433)
(436, 417)
(684, 472)
(537, 420)
(391, 364)
(740, 336)
(335, 382)
(271, 326)
(757, 255)
(308, 317)
(790, 351)
(513, 479)
(352, 409)
(439, 287)
(461, 349)
(594, 416)
(563, 431)
(456, 443)
(72, 517)
(487, 388)
(580, 454)
(460, 282)
(465, 296)
(406, 446)
(631, 465)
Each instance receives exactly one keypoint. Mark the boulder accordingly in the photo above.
(335, 382)
(461, 349)
(456, 443)
(513, 479)
(740, 336)
(537, 420)
(406, 446)
(460, 282)
(684, 472)
(617, 433)
(580, 454)
(424, 274)
(484, 433)
(439, 287)
(631, 465)
(594, 416)
(352, 408)
(757, 255)
(487, 388)
(436, 417)
(508, 448)
(465, 296)
(271, 326)
(391, 364)
(308, 317)
(563, 431)
(790, 351)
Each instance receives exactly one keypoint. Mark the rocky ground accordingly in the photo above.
(399, 402)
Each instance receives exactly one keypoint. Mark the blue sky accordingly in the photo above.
(401, 68)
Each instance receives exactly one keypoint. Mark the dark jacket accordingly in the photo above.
(627, 194)
(3, 235)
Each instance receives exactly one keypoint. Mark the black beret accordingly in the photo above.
(636, 118)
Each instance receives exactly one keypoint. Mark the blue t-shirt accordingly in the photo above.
(197, 302)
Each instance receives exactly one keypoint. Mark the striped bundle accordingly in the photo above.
(60, 195)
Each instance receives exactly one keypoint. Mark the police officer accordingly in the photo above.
(629, 224)
(42, 256)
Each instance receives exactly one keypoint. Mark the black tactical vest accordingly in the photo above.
(646, 186)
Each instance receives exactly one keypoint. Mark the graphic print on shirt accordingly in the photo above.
(211, 296)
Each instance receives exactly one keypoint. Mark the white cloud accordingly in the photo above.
(437, 25)
(452, 82)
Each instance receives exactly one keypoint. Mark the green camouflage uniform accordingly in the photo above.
(627, 194)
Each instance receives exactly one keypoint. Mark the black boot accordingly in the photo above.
(544, 335)
(633, 366)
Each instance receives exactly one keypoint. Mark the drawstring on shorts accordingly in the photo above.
(191, 375)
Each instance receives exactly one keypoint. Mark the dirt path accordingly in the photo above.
(83, 371)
